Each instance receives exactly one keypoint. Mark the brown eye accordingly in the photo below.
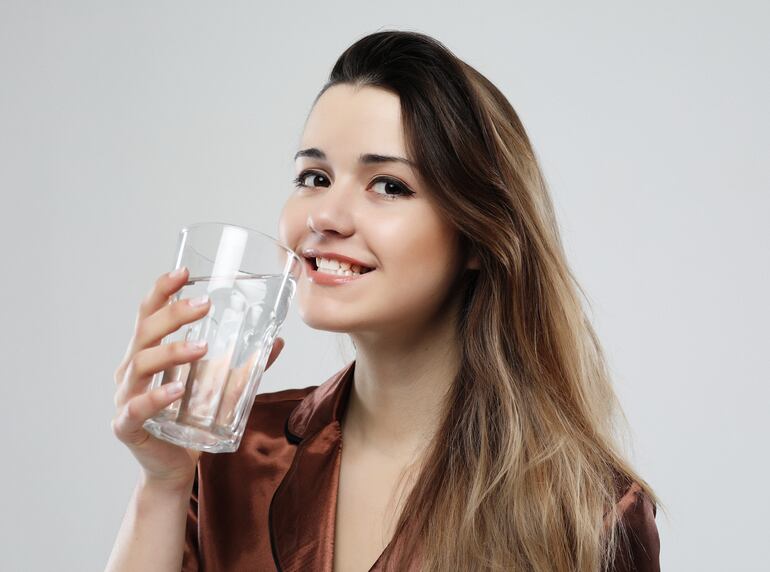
(300, 181)
(391, 188)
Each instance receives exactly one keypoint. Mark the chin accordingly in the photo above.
(319, 320)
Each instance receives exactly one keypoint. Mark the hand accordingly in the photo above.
(162, 462)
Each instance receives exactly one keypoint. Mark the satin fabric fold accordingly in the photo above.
(271, 505)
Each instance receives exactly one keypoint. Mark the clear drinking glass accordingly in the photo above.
(250, 278)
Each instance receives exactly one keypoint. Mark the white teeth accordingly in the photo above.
(327, 263)
(331, 266)
(338, 272)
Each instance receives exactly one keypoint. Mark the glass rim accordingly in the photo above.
(277, 242)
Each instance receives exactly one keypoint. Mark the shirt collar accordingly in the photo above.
(302, 513)
(320, 407)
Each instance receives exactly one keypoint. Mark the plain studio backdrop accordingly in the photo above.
(120, 122)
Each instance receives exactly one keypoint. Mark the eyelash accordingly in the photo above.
(403, 191)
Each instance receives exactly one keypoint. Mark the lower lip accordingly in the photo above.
(325, 279)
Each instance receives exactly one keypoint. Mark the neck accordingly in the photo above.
(399, 387)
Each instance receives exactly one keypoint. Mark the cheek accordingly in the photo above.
(421, 240)
(421, 258)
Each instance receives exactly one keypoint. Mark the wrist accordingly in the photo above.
(165, 486)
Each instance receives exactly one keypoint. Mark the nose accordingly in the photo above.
(330, 211)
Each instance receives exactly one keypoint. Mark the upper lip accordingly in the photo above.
(313, 253)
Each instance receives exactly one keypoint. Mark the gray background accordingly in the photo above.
(122, 121)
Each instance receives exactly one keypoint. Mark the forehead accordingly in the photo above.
(355, 119)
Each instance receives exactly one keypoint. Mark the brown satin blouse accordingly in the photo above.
(271, 505)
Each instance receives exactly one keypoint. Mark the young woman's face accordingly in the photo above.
(352, 202)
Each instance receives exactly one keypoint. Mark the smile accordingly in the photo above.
(330, 277)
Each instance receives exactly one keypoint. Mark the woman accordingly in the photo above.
(477, 416)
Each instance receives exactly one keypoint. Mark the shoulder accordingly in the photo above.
(639, 542)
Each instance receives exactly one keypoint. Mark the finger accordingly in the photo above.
(165, 285)
(150, 361)
(275, 351)
(168, 319)
(127, 426)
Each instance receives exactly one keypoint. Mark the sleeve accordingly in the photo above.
(191, 556)
(639, 543)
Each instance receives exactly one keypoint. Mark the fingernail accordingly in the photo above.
(199, 301)
(174, 388)
(196, 345)
(178, 272)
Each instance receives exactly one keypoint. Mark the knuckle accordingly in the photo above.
(144, 304)
(119, 397)
(154, 400)
(140, 330)
(134, 366)
(140, 439)
(116, 427)
(179, 309)
(130, 410)
(178, 350)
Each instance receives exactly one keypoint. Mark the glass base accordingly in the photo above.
(191, 437)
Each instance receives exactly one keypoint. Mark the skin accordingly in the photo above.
(401, 317)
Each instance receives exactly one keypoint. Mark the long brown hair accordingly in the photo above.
(525, 470)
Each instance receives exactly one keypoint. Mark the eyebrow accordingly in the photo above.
(365, 159)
